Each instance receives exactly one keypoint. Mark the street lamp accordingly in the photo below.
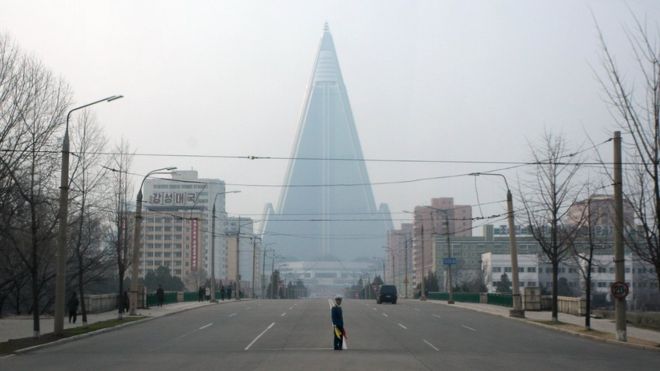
(213, 300)
(60, 286)
(517, 310)
(136, 241)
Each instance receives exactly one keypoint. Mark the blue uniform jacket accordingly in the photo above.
(337, 316)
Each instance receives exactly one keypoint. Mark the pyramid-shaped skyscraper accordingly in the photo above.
(327, 208)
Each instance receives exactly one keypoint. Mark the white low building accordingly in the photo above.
(494, 266)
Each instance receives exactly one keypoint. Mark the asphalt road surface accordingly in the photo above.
(297, 335)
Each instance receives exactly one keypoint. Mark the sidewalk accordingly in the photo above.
(21, 326)
(603, 325)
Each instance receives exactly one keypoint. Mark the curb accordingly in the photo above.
(107, 329)
(532, 322)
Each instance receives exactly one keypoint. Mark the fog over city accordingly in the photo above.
(427, 80)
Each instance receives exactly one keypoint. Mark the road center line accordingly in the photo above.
(403, 327)
(375, 308)
(283, 314)
(260, 335)
(291, 307)
(206, 326)
(385, 315)
(431, 345)
(233, 314)
(468, 327)
(436, 316)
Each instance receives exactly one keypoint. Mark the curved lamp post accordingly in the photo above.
(136, 241)
(60, 286)
(517, 310)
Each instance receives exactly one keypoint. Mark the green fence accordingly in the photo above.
(190, 296)
(169, 297)
(438, 296)
(500, 299)
(465, 297)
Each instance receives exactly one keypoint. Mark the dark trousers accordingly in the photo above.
(338, 341)
(72, 315)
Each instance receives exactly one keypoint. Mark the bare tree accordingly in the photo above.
(89, 184)
(636, 109)
(589, 239)
(546, 200)
(120, 165)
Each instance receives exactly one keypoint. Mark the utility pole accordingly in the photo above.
(422, 295)
(517, 310)
(405, 253)
(263, 275)
(238, 266)
(619, 259)
(450, 300)
(254, 260)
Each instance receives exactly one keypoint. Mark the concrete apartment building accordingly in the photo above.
(174, 239)
(186, 197)
(494, 266)
(244, 244)
(440, 218)
(399, 262)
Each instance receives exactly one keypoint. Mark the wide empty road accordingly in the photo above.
(296, 335)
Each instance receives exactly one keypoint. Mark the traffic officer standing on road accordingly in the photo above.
(337, 323)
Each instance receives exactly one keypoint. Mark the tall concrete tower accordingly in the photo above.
(327, 208)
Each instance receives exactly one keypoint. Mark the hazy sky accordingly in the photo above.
(433, 80)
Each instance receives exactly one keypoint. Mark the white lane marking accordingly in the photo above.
(431, 345)
(436, 316)
(417, 309)
(374, 308)
(206, 326)
(233, 314)
(468, 327)
(260, 335)
(385, 315)
(248, 308)
(291, 307)
(403, 327)
(283, 314)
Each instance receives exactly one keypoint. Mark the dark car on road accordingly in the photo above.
(387, 293)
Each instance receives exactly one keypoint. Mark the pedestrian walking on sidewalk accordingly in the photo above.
(160, 296)
(73, 307)
(337, 324)
(125, 303)
(207, 293)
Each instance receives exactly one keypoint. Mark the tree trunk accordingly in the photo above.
(555, 289)
(587, 316)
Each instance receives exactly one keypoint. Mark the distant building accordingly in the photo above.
(399, 267)
(186, 195)
(328, 277)
(598, 211)
(327, 209)
(468, 250)
(174, 239)
(430, 222)
(239, 232)
(640, 276)
(494, 266)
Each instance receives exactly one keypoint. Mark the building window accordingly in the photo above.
(497, 269)
(602, 270)
(507, 269)
(531, 269)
